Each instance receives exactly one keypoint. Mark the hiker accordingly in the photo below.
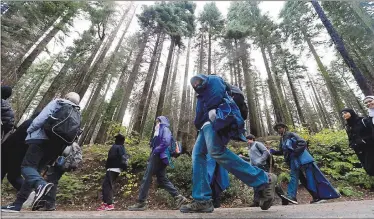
(13, 150)
(157, 163)
(360, 137)
(218, 120)
(43, 149)
(219, 180)
(7, 114)
(116, 163)
(369, 103)
(296, 155)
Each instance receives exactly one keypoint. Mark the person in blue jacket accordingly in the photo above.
(296, 155)
(218, 179)
(218, 120)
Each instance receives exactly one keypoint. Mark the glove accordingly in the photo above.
(212, 115)
(272, 151)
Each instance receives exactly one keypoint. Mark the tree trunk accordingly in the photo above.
(170, 101)
(143, 99)
(363, 16)
(288, 104)
(183, 119)
(338, 104)
(253, 117)
(22, 69)
(294, 94)
(160, 105)
(99, 62)
(201, 54)
(237, 56)
(273, 92)
(210, 54)
(360, 79)
(267, 113)
(132, 77)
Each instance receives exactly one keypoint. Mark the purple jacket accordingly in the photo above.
(161, 142)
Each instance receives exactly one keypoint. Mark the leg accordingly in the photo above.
(15, 179)
(250, 175)
(310, 181)
(162, 180)
(294, 181)
(108, 186)
(30, 164)
(147, 180)
(54, 174)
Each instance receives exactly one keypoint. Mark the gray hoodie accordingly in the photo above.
(258, 154)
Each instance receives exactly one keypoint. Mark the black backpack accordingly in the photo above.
(238, 97)
(64, 124)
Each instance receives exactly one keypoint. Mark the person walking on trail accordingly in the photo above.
(115, 164)
(157, 163)
(218, 120)
(7, 114)
(296, 155)
(361, 138)
(57, 123)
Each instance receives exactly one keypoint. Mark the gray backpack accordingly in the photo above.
(71, 158)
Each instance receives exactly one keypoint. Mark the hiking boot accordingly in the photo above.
(317, 201)
(268, 192)
(41, 191)
(12, 208)
(290, 200)
(180, 200)
(139, 206)
(198, 207)
(254, 204)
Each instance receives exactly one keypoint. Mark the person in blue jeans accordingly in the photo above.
(303, 168)
(211, 90)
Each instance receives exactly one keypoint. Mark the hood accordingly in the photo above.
(200, 88)
(6, 92)
(236, 90)
(164, 120)
(353, 118)
(68, 101)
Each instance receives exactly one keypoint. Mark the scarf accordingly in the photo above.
(157, 130)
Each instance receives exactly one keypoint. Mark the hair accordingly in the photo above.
(251, 137)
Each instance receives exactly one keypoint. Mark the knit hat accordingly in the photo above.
(368, 97)
(73, 97)
(6, 92)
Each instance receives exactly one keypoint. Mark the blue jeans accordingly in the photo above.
(209, 142)
(294, 181)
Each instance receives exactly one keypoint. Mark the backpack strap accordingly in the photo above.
(362, 120)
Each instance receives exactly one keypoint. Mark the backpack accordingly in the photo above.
(269, 160)
(64, 124)
(175, 148)
(238, 97)
(73, 158)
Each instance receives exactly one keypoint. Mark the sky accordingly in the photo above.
(271, 7)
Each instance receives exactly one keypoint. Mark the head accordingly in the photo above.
(349, 115)
(250, 139)
(73, 97)
(281, 128)
(267, 144)
(162, 120)
(198, 82)
(369, 102)
(6, 92)
(119, 139)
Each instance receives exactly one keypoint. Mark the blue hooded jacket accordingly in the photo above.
(212, 95)
(161, 142)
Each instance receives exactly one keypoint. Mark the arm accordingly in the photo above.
(165, 141)
(38, 122)
(217, 91)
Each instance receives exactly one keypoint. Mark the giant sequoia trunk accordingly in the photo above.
(22, 69)
(132, 77)
(253, 116)
(273, 91)
(142, 102)
(360, 79)
(183, 119)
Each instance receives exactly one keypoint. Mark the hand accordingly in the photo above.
(212, 115)
(240, 155)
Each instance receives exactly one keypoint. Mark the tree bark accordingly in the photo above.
(210, 54)
(201, 53)
(267, 113)
(363, 16)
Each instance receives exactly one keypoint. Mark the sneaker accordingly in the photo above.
(254, 204)
(290, 200)
(139, 206)
(29, 200)
(41, 191)
(109, 207)
(198, 207)
(12, 208)
(101, 207)
(267, 194)
(317, 201)
(180, 200)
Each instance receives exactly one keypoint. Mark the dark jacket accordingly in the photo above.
(360, 134)
(115, 156)
(7, 116)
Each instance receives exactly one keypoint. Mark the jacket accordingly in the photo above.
(7, 115)
(162, 141)
(361, 134)
(35, 131)
(287, 148)
(258, 154)
(115, 156)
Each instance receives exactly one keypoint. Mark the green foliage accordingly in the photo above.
(69, 188)
(115, 128)
(237, 190)
(211, 18)
(181, 174)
